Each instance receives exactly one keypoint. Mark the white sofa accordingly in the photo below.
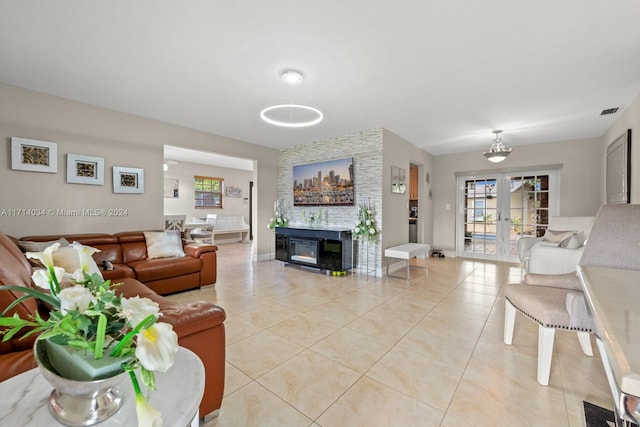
(539, 255)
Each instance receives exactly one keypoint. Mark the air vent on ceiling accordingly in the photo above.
(609, 111)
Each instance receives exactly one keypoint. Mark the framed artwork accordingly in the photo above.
(398, 180)
(618, 172)
(171, 188)
(34, 155)
(85, 169)
(233, 191)
(128, 180)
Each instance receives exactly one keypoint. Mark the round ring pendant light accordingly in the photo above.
(291, 114)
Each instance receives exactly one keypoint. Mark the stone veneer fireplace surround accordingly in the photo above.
(366, 150)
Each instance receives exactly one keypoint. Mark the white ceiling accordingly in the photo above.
(441, 74)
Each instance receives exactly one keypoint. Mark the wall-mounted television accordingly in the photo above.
(324, 184)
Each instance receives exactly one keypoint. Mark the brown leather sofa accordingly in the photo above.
(127, 252)
(199, 324)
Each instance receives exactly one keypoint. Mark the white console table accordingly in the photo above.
(613, 297)
(178, 396)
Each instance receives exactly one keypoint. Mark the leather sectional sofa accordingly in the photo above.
(199, 325)
(127, 252)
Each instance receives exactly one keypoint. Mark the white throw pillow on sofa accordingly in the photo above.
(574, 242)
(555, 236)
(163, 244)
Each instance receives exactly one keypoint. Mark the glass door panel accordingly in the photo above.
(498, 210)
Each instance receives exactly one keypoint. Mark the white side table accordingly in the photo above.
(406, 252)
(178, 396)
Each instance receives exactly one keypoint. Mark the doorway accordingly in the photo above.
(496, 210)
(414, 191)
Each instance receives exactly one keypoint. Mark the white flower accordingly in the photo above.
(45, 257)
(367, 222)
(148, 416)
(85, 256)
(136, 309)
(357, 230)
(42, 278)
(157, 346)
(75, 298)
(372, 231)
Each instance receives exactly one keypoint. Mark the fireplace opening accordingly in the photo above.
(304, 251)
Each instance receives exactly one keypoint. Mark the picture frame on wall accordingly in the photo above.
(34, 155)
(233, 191)
(83, 169)
(398, 180)
(128, 180)
(171, 188)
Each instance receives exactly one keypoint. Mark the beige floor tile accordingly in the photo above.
(435, 344)
(370, 403)
(384, 326)
(268, 314)
(305, 329)
(336, 312)
(237, 329)
(352, 349)
(428, 380)
(416, 337)
(309, 382)
(234, 379)
(254, 405)
(261, 352)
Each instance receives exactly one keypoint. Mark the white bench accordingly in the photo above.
(406, 252)
(231, 225)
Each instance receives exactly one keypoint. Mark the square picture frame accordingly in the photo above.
(83, 169)
(34, 155)
(128, 180)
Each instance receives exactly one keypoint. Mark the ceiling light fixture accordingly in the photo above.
(291, 114)
(498, 152)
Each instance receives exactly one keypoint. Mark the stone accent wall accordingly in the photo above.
(365, 148)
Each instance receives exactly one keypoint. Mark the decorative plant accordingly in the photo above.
(88, 316)
(278, 220)
(366, 223)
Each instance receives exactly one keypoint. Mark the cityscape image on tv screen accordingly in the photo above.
(324, 184)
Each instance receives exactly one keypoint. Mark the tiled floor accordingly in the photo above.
(306, 349)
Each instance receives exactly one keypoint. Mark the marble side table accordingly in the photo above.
(180, 390)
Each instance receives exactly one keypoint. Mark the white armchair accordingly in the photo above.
(547, 255)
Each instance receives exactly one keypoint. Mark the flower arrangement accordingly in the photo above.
(366, 224)
(91, 318)
(278, 219)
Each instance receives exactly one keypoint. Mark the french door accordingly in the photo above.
(495, 210)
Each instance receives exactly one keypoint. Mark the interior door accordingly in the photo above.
(494, 211)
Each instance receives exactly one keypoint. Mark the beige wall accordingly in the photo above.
(184, 204)
(630, 119)
(581, 179)
(123, 140)
(401, 153)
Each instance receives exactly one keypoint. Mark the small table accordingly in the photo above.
(406, 252)
(178, 395)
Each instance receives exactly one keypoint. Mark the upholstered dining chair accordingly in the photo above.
(556, 301)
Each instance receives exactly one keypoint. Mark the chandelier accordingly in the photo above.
(291, 114)
(498, 152)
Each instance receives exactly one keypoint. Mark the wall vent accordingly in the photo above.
(609, 111)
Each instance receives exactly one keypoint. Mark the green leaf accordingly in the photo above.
(102, 326)
(148, 378)
(44, 297)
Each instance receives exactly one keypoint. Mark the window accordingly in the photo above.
(208, 192)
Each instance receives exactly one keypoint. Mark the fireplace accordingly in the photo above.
(304, 251)
(321, 249)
